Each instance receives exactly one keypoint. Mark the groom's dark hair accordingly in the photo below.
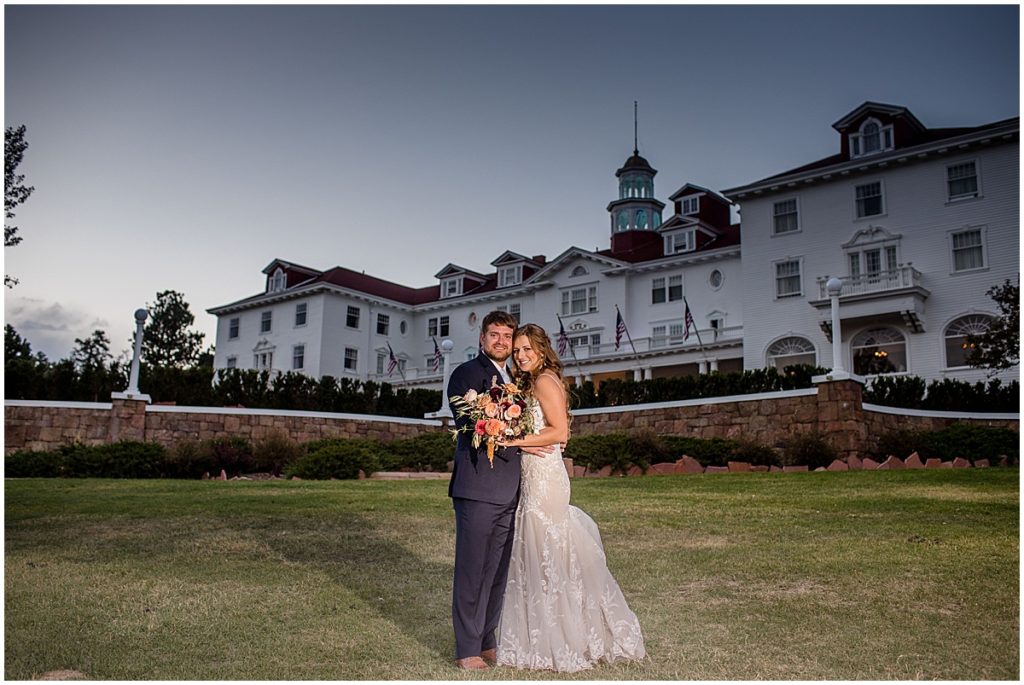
(499, 318)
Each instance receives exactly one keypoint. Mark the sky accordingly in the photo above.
(186, 147)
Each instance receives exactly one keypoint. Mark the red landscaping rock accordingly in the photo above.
(688, 464)
(451, 466)
(579, 471)
(961, 463)
(223, 475)
(933, 463)
(1004, 461)
(295, 478)
(981, 464)
(602, 472)
(946, 465)
(361, 475)
(663, 469)
(568, 465)
(795, 469)
(759, 468)
(838, 465)
(914, 461)
(870, 464)
(739, 467)
(855, 463)
(821, 468)
(893, 463)
(717, 469)
(775, 469)
(635, 471)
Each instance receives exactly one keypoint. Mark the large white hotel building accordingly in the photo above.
(918, 223)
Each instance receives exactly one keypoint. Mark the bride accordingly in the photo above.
(563, 610)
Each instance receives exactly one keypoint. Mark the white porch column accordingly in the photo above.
(714, 364)
(702, 366)
(638, 374)
(648, 373)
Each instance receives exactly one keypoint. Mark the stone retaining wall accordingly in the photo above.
(833, 408)
(48, 425)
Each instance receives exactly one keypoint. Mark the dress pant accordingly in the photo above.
(483, 546)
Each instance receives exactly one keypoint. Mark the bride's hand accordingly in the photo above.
(538, 451)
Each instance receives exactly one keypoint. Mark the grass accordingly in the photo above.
(882, 575)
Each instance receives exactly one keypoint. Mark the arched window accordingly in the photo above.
(641, 219)
(580, 270)
(879, 350)
(623, 221)
(790, 351)
(872, 137)
(277, 282)
(957, 331)
(869, 134)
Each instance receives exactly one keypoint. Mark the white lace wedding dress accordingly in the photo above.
(563, 610)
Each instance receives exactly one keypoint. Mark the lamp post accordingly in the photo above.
(133, 380)
(132, 391)
(835, 287)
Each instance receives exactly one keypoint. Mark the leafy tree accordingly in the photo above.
(15, 191)
(166, 340)
(15, 347)
(91, 353)
(998, 348)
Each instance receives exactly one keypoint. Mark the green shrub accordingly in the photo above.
(233, 455)
(958, 440)
(125, 459)
(188, 459)
(754, 453)
(275, 451)
(810, 449)
(597, 451)
(708, 451)
(33, 464)
(337, 459)
(426, 452)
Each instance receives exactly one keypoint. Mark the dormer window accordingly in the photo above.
(277, 281)
(510, 275)
(450, 287)
(871, 139)
(691, 205)
(684, 241)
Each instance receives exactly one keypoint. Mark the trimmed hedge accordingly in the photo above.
(949, 394)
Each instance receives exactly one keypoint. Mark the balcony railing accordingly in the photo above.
(881, 282)
(660, 344)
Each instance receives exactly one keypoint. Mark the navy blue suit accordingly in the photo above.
(485, 501)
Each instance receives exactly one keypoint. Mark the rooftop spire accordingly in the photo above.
(636, 150)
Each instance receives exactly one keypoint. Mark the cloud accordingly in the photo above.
(50, 327)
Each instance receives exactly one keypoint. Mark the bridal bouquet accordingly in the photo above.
(500, 413)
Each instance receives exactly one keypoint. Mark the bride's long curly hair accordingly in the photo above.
(549, 361)
(541, 344)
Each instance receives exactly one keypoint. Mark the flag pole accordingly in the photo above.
(697, 332)
(628, 336)
(568, 341)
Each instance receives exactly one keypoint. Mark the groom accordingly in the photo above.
(485, 502)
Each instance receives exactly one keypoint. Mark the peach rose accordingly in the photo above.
(494, 427)
(491, 409)
(470, 395)
(513, 412)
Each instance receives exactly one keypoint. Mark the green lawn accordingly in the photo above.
(881, 575)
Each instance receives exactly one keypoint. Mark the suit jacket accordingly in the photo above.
(472, 477)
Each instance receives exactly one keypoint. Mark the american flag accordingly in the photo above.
(563, 339)
(620, 327)
(437, 355)
(687, 323)
(392, 360)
